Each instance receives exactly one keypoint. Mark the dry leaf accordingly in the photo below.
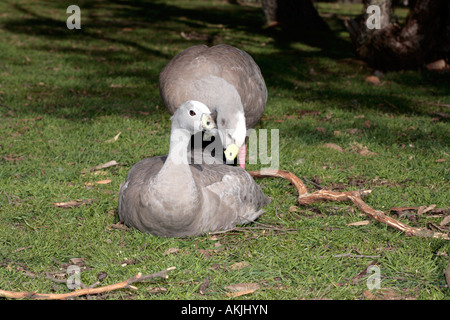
(239, 293)
(90, 184)
(445, 221)
(321, 129)
(366, 152)
(128, 262)
(391, 294)
(239, 265)
(359, 223)
(424, 209)
(362, 150)
(243, 286)
(370, 295)
(155, 290)
(208, 252)
(77, 261)
(216, 266)
(193, 36)
(71, 203)
(333, 146)
(106, 181)
(352, 131)
(102, 275)
(203, 286)
(100, 173)
(242, 289)
(373, 80)
(68, 204)
(114, 139)
(102, 166)
(436, 65)
(119, 225)
(171, 251)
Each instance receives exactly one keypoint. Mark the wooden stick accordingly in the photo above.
(281, 174)
(86, 291)
(306, 198)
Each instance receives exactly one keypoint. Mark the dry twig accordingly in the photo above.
(85, 291)
(306, 198)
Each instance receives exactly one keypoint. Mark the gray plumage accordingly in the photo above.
(168, 197)
(224, 78)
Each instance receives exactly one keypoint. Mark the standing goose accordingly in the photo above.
(224, 78)
(166, 196)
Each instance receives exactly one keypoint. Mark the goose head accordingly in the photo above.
(232, 131)
(193, 116)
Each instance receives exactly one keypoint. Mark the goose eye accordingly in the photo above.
(192, 113)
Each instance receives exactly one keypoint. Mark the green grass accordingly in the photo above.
(63, 93)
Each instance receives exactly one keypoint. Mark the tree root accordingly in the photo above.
(306, 198)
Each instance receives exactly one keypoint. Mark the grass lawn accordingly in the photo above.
(65, 93)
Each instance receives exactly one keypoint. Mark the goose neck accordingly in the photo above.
(179, 141)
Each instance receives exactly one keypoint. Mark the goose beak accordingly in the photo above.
(207, 122)
(231, 152)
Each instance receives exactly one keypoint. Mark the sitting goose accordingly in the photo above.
(166, 196)
(224, 78)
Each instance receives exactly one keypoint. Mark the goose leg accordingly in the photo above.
(242, 153)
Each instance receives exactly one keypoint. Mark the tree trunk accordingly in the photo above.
(293, 15)
(424, 38)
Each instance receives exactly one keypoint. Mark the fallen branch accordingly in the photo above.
(86, 291)
(306, 198)
(281, 174)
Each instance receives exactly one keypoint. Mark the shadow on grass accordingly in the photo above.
(160, 24)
